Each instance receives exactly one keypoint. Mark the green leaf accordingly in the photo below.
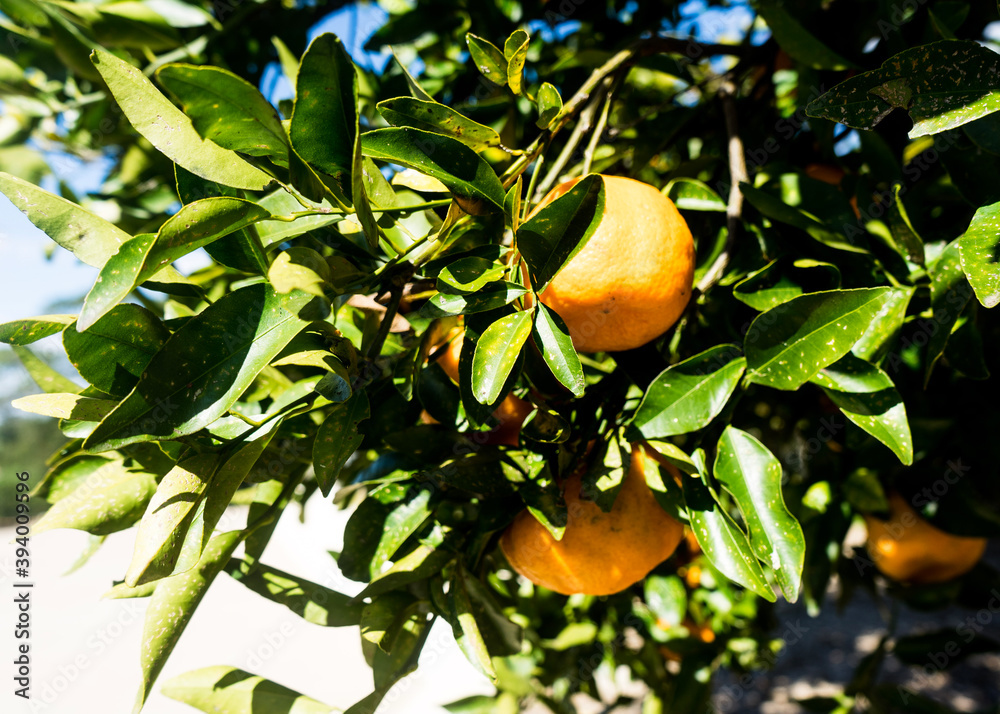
(32, 329)
(908, 242)
(458, 167)
(560, 230)
(114, 352)
(470, 274)
(172, 605)
(979, 248)
(90, 238)
(489, 60)
(65, 406)
(337, 438)
(110, 499)
(776, 209)
(686, 396)
(416, 90)
(515, 51)
(324, 122)
(796, 40)
(788, 344)
(310, 601)
(168, 516)
(359, 194)
(482, 631)
(496, 352)
(402, 522)
(950, 292)
(491, 297)
(438, 118)
(666, 598)
(118, 277)
(299, 268)
(47, 378)
(228, 690)
(552, 339)
(724, 544)
(885, 326)
(549, 103)
(920, 80)
(693, 195)
(168, 129)
(182, 390)
(289, 62)
(867, 396)
(749, 471)
(234, 470)
(227, 109)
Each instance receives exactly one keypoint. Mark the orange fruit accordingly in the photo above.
(511, 412)
(600, 553)
(908, 548)
(633, 278)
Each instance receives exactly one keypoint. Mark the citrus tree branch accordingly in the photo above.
(737, 175)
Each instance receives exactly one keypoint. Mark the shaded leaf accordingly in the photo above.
(228, 690)
(337, 438)
(950, 292)
(182, 390)
(796, 40)
(438, 118)
(118, 277)
(491, 297)
(554, 342)
(549, 103)
(489, 60)
(558, 231)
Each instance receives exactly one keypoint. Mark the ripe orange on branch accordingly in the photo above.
(632, 280)
(600, 553)
(906, 547)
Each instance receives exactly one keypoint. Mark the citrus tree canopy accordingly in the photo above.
(607, 320)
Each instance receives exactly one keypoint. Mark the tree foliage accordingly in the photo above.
(836, 163)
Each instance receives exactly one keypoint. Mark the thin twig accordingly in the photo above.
(396, 294)
(602, 121)
(737, 175)
(581, 128)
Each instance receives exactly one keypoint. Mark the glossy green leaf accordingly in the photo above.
(182, 390)
(167, 519)
(693, 195)
(723, 543)
(114, 352)
(867, 396)
(490, 297)
(496, 352)
(469, 177)
(312, 602)
(552, 339)
(908, 242)
(416, 90)
(885, 326)
(227, 109)
(515, 51)
(752, 474)
(950, 292)
(172, 605)
(549, 103)
(979, 248)
(489, 60)
(337, 438)
(920, 80)
(402, 522)
(470, 274)
(118, 277)
(65, 406)
(228, 690)
(324, 121)
(796, 40)
(168, 129)
(557, 232)
(788, 344)
(438, 118)
(466, 629)
(110, 499)
(90, 238)
(686, 396)
(359, 192)
(32, 329)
